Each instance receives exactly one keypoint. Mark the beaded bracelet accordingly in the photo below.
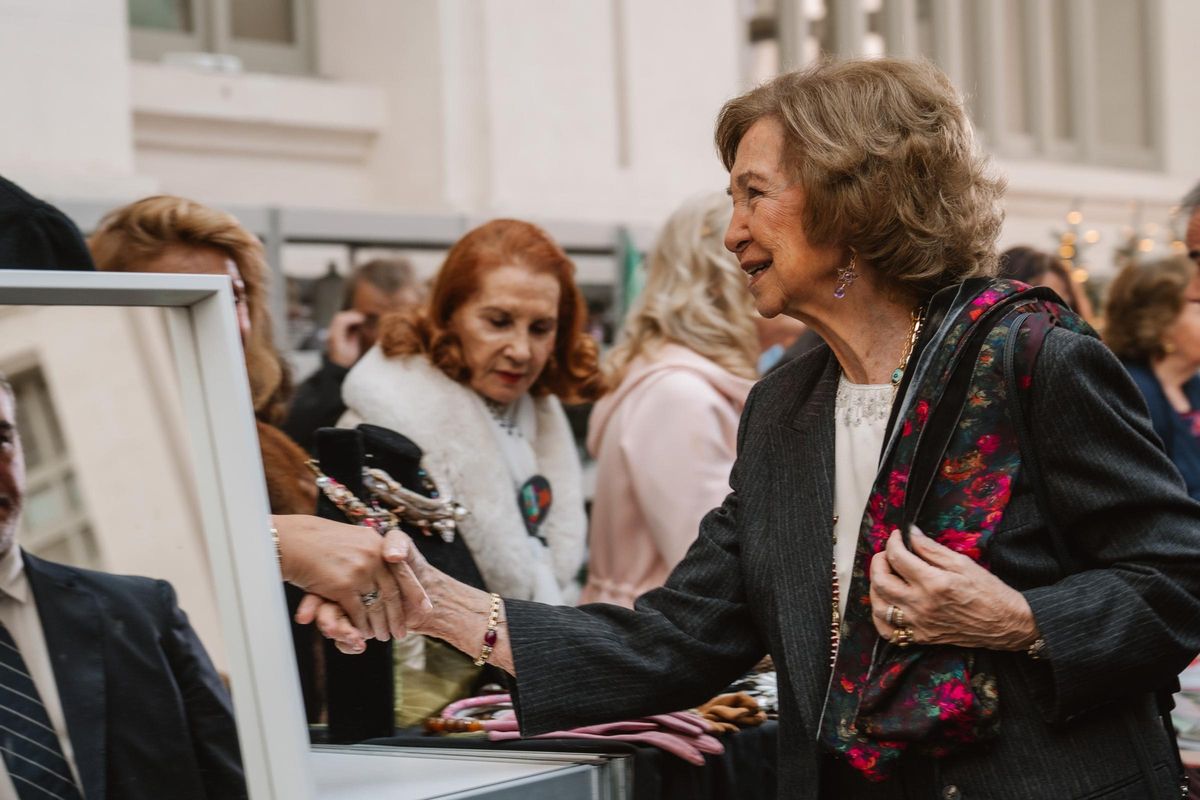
(278, 549)
(489, 638)
(447, 725)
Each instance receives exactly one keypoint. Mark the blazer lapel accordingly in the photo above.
(802, 461)
(73, 626)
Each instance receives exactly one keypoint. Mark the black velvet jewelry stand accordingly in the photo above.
(359, 689)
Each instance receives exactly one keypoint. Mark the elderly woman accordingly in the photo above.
(664, 439)
(1153, 325)
(1016, 647)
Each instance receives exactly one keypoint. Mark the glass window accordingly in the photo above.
(259, 35)
(162, 15)
(53, 520)
(264, 21)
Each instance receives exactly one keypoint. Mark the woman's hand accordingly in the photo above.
(946, 598)
(345, 564)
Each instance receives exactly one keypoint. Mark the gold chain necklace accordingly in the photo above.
(918, 319)
(835, 624)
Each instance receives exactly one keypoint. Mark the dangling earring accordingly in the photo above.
(846, 276)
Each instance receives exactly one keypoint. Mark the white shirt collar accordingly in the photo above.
(13, 582)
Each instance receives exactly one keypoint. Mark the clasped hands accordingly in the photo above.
(944, 597)
(360, 585)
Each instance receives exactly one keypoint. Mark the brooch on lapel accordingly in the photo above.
(534, 500)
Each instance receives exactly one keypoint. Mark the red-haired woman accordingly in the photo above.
(475, 379)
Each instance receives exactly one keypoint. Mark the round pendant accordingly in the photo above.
(897, 374)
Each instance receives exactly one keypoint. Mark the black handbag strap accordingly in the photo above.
(1030, 466)
(945, 415)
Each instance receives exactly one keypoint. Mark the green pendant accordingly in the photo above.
(897, 374)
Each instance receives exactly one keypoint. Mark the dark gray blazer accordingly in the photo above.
(146, 712)
(1079, 724)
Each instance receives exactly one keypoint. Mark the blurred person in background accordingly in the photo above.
(376, 288)
(1153, 325)
(1190, 210)
(664, 439)
(1039, 268)
(175, 235)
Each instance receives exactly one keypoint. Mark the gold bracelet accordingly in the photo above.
(278, 550)
(1035, 649)
(490, 636)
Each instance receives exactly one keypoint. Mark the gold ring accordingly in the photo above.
(891, 615)
(899, 618)
(903, 637)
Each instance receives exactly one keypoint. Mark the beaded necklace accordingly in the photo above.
(430, 515)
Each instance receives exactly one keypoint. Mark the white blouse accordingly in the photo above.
(860, 420)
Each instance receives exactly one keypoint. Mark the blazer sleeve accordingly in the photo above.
(206, 703)
(679, 456)
(1129, 621)
(678, 646)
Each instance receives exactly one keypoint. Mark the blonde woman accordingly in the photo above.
(664, 439)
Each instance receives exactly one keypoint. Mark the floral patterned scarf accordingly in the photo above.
(882, 699)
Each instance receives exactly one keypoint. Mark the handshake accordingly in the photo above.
(363, 586)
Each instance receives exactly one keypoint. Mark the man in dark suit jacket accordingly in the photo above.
(105, 690)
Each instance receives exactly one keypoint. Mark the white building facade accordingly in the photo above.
(586, 110)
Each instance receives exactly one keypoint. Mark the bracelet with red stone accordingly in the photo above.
(490, 636)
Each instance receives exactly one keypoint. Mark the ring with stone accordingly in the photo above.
(369, 598)
(902, 637)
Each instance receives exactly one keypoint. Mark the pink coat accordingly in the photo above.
(664, 442)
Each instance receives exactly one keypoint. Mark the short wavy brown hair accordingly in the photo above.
(888, 163)
(1143, 301)
(130, 238)
(572, 372)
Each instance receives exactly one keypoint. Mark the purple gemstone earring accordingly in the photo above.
(846, 276)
